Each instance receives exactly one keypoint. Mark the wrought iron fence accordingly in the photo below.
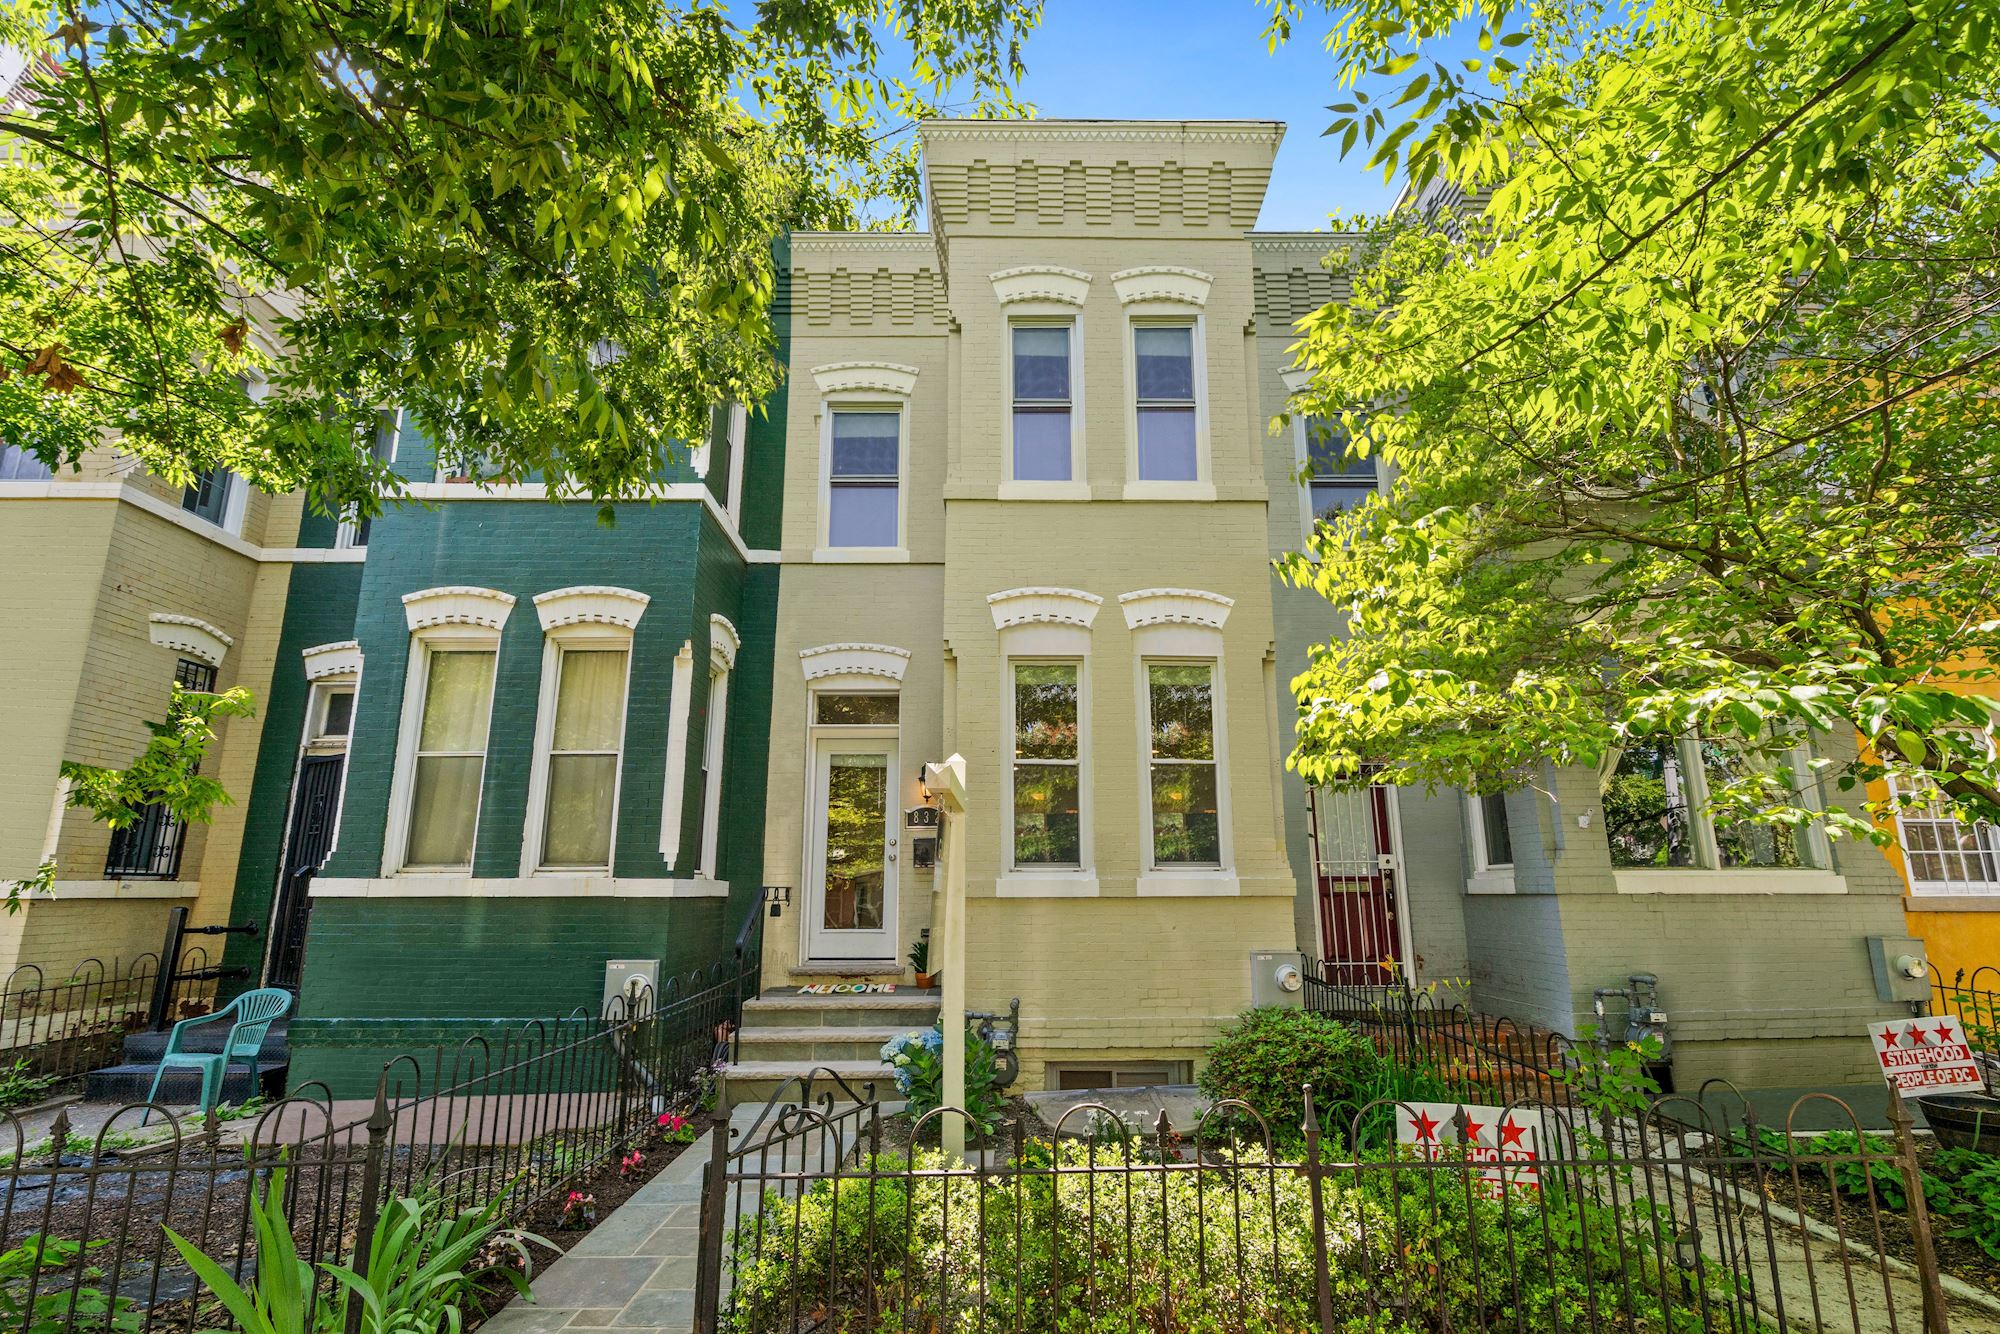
(66, 1025)
(1481, 1057)
(1975, 998)
(1667, 1221)
(517, 1118)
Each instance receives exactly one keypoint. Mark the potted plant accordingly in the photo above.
(920, 962)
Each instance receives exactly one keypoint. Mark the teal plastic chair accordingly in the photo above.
(254, 1012)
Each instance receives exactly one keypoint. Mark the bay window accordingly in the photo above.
(450, 761)
(1180, 710)
(1048, 765)
(586, 737)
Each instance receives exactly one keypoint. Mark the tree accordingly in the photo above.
(1690, 409)
(542, 226)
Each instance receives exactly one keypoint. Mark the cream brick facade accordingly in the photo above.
(1100, 223)
(92, 557)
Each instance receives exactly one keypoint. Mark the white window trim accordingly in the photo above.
(847, 682)
(1487, 877)
(556, 642)
(1084, 873)
(826, 551)
(1707, 848)
(329, 668)
(426, 639)
(318, 697)
(1047, 315)
(723, 645)
(679, 703)
(1202, 487)
(580, 618)
(1173, 879)
(348, 535)
(1308, 521)
(739, 435)
(1941, 889)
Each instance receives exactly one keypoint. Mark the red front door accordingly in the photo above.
(1360, 936)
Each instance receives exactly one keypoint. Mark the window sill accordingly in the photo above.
(547, 885)
(1046, 885)
(119, 889)
(1494, 880)
(1736, 880)
(1207, 884)
(1930, 900)
(1045, 491)
(1169, 491)
(861, 555)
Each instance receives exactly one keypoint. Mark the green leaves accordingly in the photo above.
(1681, 405)
(390, 198)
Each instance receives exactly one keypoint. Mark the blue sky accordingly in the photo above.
(1196, 59)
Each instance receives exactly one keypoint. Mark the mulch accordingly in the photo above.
(1814, 1197)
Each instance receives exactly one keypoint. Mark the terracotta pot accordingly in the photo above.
(924, 981)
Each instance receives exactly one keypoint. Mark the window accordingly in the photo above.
(1042, 402)
(1336, 481)
(712, 769)
(450, 758)
(208, 497)
(1493, 845)
(150, 847)
(1653, 812)
(1048, 769)
(353, 530)
(1163, 358)
(333, 713)
(19, 464)
(1946, 855)
(1118, 1075)
(585, 740)
(1180, 705)
(856, 710)
(862, 480)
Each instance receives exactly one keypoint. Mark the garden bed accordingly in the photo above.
(1814, 1196)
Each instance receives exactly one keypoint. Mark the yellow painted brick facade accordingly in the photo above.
(1110, 976)
(91, 558)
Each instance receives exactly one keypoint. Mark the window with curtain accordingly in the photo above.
(1048, 768)
(1042, 402)
(1163, 358)
(450, 758)
(1338, 480)
(1180, 702)
(584, 743)
(862, 479)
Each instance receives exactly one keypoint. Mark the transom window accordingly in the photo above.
(863, 477)
(1338, 480)
(1048, 828)
(855, 710)
(450, 758)
(584, 744)
(1180, 704)
(1042, 402)
(1163, 359)
(333, 712)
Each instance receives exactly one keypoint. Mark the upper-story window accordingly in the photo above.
(1163, 359)
(864, 476)
(208, 497)
(1945, 855)
(1043, 408)
(1337, 479)
(18, 464)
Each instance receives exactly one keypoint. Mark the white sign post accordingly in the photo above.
(1925, 1055)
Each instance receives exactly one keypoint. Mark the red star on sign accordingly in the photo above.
(1425, 1127)
(1511, 1134)
(1910, 1038)
(1472, 1129)
(1943, 1032)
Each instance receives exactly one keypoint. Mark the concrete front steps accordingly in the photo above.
(787, 1037)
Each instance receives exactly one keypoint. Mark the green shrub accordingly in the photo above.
(1196, 1251)
(1268, 1056)
(917, 1059)
(1964, 1192)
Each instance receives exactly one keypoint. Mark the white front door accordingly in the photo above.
(851, 855)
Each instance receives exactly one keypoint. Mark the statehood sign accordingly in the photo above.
(1503, 1142)
(1925, 1055)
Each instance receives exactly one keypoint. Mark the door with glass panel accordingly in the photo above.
(851, 876)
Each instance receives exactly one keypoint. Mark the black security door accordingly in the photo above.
(306, 850)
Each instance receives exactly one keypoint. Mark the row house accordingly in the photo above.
(1016, 501)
